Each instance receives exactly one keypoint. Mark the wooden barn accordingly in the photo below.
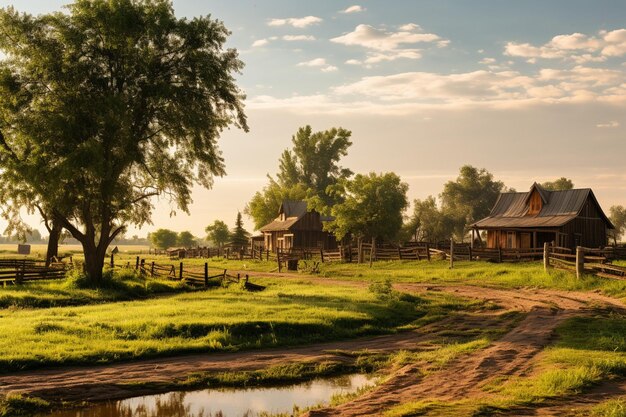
(568, 218)
(297, 227)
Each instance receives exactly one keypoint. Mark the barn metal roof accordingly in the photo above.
(559, 208)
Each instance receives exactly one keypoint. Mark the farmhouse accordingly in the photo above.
(568, 218)
(297, 227)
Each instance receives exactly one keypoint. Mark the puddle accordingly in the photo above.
(248, 402)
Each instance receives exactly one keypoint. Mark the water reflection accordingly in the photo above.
(251, 402)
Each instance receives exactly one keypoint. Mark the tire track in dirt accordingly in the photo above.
(511, 355)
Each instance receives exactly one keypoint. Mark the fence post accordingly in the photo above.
(141, 267)
(372, 250)
(580, 262)
(399, 253)
(180, 271)
(359, 251)
(428, 251)
(206, 274)
(137, 263)
(470, 253)
(546, 256)
(451, 253)
(152, 269)
(278, 259)
(322, 254)
(112, 261)
(499, 255)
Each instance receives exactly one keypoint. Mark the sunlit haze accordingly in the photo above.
(530, 90)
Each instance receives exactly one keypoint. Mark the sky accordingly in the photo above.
(530, 90)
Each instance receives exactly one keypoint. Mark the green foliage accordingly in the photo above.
(186, 239)
(314, 161)
(428, 223)
(470, 197)
(163, 238)
(617, 215)
(239, 236)
(308, 171)
(107, 105)
(218, 233)
(373, 207)
(558, 185)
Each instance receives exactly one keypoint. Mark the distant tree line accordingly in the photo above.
(218, 235)
(374, 204)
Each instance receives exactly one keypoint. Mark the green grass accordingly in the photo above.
(286, 313)
(73, 291)
(16, 405)
(615, 407)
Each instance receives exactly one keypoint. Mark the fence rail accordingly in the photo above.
(596, 261)
(17, 271)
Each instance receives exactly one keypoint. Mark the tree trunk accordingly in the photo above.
(53, 242)
(94, 262)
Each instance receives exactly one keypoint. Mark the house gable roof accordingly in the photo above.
(293, 211)
(559, 208)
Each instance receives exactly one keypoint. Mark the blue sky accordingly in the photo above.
(530, 90)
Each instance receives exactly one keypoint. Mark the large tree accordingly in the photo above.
(186, 239)
(307, 171)
(163, 238)
(617, 214)
(470, 197)
(558, 184)
(218, 233)
(372, 208)
(110, 104)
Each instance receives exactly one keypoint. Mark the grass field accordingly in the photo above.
(286, 313)
(67, 322)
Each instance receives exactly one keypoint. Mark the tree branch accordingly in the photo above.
(138, 199)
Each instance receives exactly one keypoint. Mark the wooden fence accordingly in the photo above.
(585, 260)
(18, 271)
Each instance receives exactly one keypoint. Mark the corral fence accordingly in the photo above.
(194, 275)
(18, 271)
(585, 260)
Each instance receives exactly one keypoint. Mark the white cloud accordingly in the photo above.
(372, 38)
(389, 46)
(374, 58)
(292, 38)
(260, 42)
(488, 61)
(577, 47)
(317, 62)
(330, 68)
(353, 62)
(354, 9)
(296, 22)
(406, 93)
(410, 27)
(611, 124)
